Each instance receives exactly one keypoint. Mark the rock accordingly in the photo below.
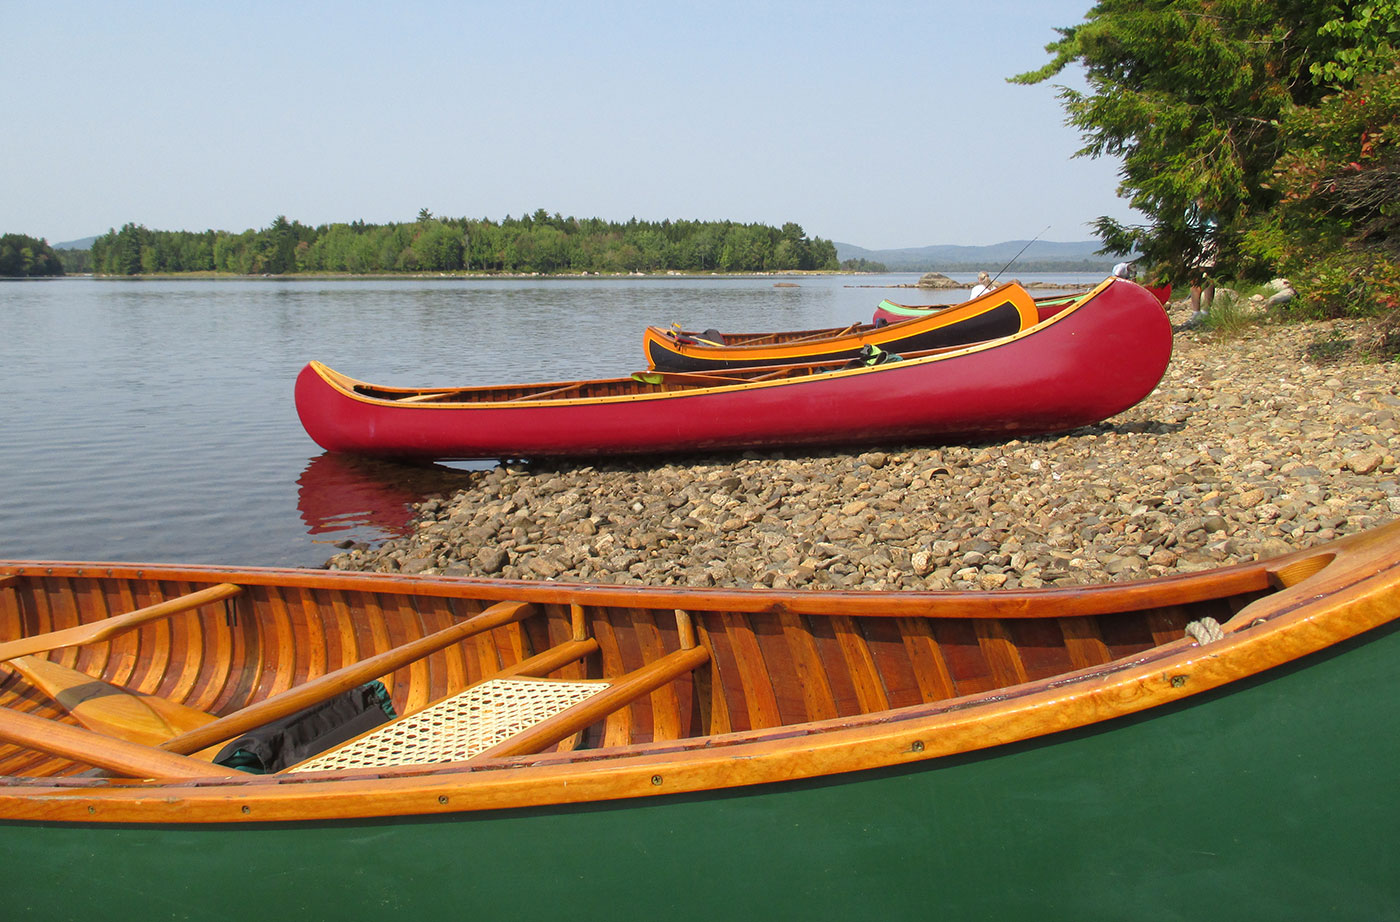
(936, 280)
(490, 560)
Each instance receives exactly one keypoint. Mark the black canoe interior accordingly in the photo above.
(766, 669)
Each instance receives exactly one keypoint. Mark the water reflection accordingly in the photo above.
(370, 497)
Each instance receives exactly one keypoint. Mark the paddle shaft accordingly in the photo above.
(110, 627)
(347, 677)
(1018, 255)
(131, 759)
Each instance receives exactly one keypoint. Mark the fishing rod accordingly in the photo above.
(1018, 255)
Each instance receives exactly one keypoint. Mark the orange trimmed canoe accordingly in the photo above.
(809, 750)
(1004, 312)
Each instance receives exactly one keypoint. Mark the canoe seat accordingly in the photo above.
(459, 727)
(503, 717)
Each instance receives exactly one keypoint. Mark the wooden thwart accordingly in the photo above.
(508, 714)
(119, 624)
(618, 695)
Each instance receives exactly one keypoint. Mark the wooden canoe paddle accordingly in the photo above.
(119, 624)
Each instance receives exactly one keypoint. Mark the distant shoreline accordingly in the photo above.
(537, 276)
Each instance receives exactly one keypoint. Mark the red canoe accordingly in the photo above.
(1096, 358)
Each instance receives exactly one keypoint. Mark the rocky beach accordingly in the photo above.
(1252, 445)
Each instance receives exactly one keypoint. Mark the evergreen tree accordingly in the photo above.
(1193, 97)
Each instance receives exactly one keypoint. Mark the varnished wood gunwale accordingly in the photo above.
(1108, 598)
(1357, 590)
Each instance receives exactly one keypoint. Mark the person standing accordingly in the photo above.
(1202, 279)
(984, 285)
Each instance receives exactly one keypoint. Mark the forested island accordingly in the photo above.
(27, 257)
(538, 243)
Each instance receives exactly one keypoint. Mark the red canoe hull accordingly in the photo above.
(1080, 367)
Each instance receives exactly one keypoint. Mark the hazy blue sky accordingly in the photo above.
(871, 123)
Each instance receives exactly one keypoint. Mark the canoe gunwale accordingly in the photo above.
(1355, 589)
(1045, 602)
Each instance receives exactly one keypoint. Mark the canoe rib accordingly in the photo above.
(333, 683)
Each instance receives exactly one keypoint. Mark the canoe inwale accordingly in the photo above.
(770, 685)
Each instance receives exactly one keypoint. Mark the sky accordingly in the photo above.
(878, 124)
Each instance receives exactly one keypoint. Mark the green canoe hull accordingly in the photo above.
(1272, 799)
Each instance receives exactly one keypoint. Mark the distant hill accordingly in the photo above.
(1042, 255)
(84, 244)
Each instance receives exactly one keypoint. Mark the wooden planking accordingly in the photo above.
(344, 640)
(838, 676)
(818, 701)
(632, 722)
(1168, 624)
(1083, 642)
(760, 702)
(154, 639)
(893, 667)
(617, 729)
(54, 609)
(187, 644)
(777, 657)
(926, 658)
(963, 653)
(711, 704)
(1126, 634)
(418, 674)
(246, 662)
(1041, 646)
(124, 649)
(214, 657)
(89, 596)
(1003, 659)
(870, 691)
(284, 644)
(399, 624)
(664, 703)
(307, 613)
(484, 657)
(447, 673)
(371, 634)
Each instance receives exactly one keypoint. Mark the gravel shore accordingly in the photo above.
(1249, 448)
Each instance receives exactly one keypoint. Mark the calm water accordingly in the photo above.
(153, 420)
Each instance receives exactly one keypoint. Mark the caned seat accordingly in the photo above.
(459, 727)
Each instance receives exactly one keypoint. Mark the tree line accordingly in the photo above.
(27, 257)
(538, 243)
(1259, 138)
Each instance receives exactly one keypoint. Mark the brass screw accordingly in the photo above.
(656, 780)
(918, 746)
(442, 799)
(1178, 681)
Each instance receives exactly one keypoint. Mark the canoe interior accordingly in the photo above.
(767, 669)
(640, 384)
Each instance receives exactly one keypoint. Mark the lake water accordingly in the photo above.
(154, 421)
